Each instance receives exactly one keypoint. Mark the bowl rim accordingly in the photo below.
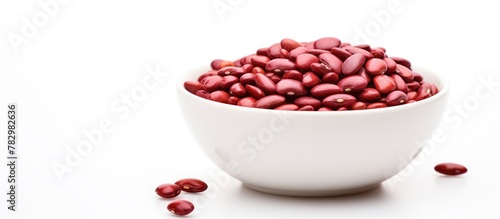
(440, 81)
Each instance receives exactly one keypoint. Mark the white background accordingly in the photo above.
(67, 76)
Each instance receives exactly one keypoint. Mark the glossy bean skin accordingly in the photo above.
(219, 96)
(400, 83)
(233, 100)
(265, 84)
(369, 95)
(290, 87)
(212, 83)
(293, 74)
(353, 84)
(324, 90)
(310, 80)
(330, 77)
(355, 50)
(336, 101)
(358, 106)
(384, 84)
(260, 61)
(247, 102)
(402, 61)
(342, 54)
(203, 94)
(451, 169)
(396, 97)
(280, 65)
(304, 61)
(231, 70)
(297, 52)
(238, 90)
(193, 86)
(255, 92)
(376, 66)
(391, 65)
(308, 101)
(180, 207)
(320, 69)
(270, 102)
(289, 44)
(192, 185)
(352, 64)
(326, 43)
(333, 63)
(404, 72)
(228, 81)
(168, 190)
(376, 105)
(288, 106)
(306, 108)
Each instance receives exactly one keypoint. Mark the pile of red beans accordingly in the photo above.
(323, 75)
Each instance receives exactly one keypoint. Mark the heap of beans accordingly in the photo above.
(322, 75)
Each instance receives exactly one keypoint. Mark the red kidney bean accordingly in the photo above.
(412, 101)
(434, 89)
(275, 78)
(192, 185)
(180, 207)
(308, 101)
(413, 86)
(391, 65)
(380, 48)
(293, 74)
(382, 99)
(304, 61)
(168, 190)
(384, 84)
(342, 54)
(369, 95)
(376, 66)
(309, 45)
(255, 91)
(317, 52)
(262, 51)
(219, 96)
(400, 83)
(215, 64)
(207, 74)
(203, 94)
(324, 90)
(344, 44)
(231, 70)
(258, 70)
(291, 88)
(377, 53)
(280, 65)
(274, 51)
(265, 84)
(228, 81)
(310, 80)
(336, 101)
(247, 102)
(412, 95)
(364, 46)
(355, 50)
(343, 108)
(421, 96)
(451, 169)
(402, 61)
(353, 84)
(404, 72)
(285, 53)
(193, 86)
(306, 108)
(366, 76)
(353, 64)
(358, 106)
(211, 83)
(331, 62)
(247, 68)
(417, 77)
(297, 51)
(226, 64)
(247, 59)
(326, 43)
(287, 106)
(238, 90)
(289, 44)
(425, 88)
(319, 69)
(269, 102)
(396, 97)
(247, 78)
(233, 100)
(376, 105)
(330, 77)
(260, 61)
(324, 109)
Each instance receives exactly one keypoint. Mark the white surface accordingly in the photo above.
(74, 69)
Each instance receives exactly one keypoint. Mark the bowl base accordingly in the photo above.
(314, 193)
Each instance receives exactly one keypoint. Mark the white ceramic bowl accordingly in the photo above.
(309, 153)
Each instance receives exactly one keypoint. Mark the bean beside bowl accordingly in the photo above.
(291, 152)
